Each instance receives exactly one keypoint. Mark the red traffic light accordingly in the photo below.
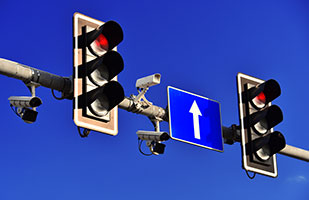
(264, 93)
(101, 43)
(105, 37)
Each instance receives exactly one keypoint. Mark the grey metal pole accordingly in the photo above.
(295, 152)
(232, 135)
(65, 85)
(15, 70)
(151, 111)
(30, 74)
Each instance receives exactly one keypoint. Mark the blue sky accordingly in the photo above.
(197, 46)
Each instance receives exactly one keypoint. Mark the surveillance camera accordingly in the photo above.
(148, 81)
(25, 102)
(158, 148)
(153, 136)
(22, 106)
(28, 115)
(154, 139)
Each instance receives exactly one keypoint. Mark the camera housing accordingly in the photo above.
(25, 101)
(25, 107)
(27, 114)
(148, 81)
(153, 135)
(154, 139)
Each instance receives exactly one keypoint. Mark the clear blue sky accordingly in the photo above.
(198, 46)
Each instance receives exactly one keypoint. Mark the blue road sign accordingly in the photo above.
(194, 119)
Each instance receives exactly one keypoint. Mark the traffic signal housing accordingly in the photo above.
(96, 66)
(258, 117)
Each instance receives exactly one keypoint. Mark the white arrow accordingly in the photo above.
(196, 113)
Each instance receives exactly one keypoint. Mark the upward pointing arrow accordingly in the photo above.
(196, 124)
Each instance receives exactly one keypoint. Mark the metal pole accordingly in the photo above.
(150, 111)
(15, 70)
(295, 152)
(29, 74)
(232, 135)
(64, 85)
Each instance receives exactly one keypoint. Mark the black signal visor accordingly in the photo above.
(106, 36)
(264, 93)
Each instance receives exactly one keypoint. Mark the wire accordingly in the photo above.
(139, 142)
(85, 132)
(58, 98)
(251, 177)
(15, 110)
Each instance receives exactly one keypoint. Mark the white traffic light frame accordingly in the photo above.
(243, 79)
(111, 126)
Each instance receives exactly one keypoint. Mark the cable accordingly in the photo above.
(139, 142)
(14, 110)
(251, 177)
(58, 98)
(85, 132)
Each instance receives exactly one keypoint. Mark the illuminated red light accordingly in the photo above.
(102, 42)
(261, 97)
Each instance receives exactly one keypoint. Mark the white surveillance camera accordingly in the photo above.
(25, 102)
(148, 81)
(153, 135)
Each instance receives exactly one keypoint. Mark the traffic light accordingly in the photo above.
(96, 66)
(258, 117)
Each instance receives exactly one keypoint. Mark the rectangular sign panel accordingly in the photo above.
(194, 119)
